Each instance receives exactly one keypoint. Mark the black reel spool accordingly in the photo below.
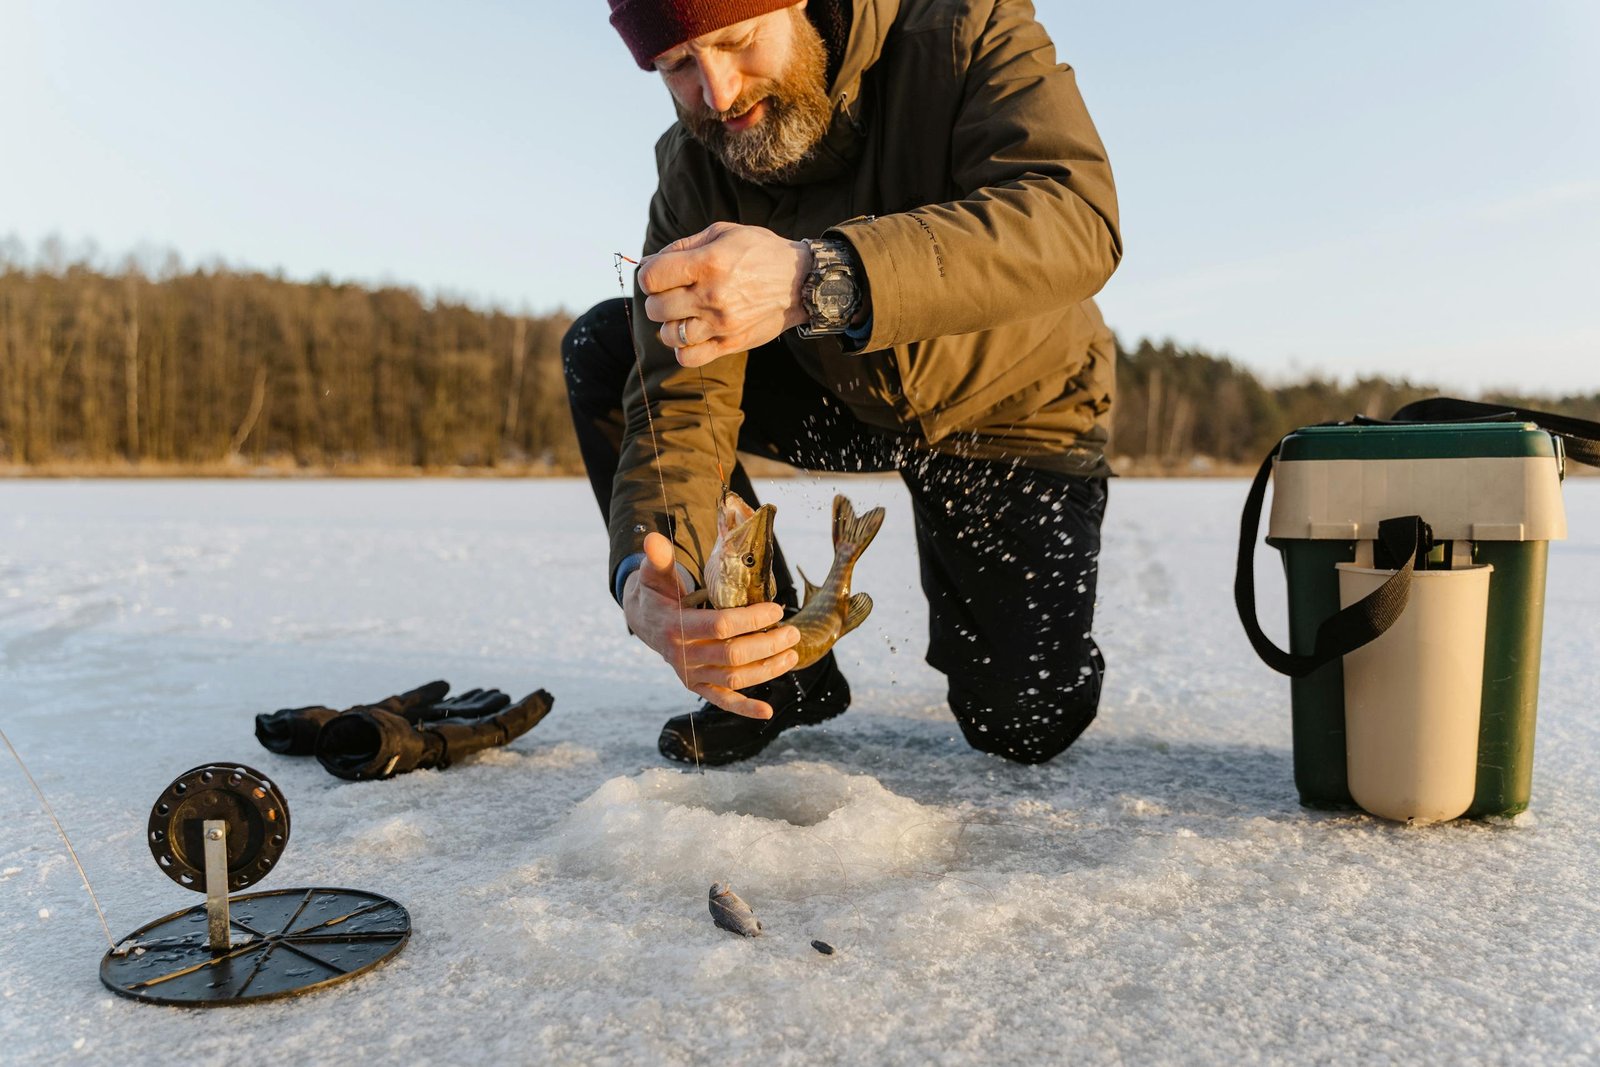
(245, 799)
(275, 944)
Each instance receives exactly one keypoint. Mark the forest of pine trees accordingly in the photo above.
(211, 370)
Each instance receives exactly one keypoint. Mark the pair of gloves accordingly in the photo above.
(412, 731)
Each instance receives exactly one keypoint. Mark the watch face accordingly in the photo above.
(836, 294)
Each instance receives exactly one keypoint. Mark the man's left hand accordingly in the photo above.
(728, 288)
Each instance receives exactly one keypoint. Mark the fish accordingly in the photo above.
(738, 571)
(731, 913)
(830, 611)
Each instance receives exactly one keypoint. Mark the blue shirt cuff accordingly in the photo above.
(625, 568)
(633, 563)
(859, 335)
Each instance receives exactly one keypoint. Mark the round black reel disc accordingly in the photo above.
(249, 803)
(285, 942)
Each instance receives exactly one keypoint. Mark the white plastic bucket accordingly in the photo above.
(1412, 697)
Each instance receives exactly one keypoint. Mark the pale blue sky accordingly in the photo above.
(1408, 187)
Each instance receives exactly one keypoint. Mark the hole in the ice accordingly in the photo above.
(773, 800)
(774, 809)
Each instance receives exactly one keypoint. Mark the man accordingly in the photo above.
(876, 232)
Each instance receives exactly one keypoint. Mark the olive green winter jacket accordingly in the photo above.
(963, 168)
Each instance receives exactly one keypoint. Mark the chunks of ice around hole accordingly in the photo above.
(774, 831)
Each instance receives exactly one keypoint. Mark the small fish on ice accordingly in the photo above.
(732, 913)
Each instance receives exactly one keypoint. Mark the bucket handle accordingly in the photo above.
(1403, 538)
(1580, 437)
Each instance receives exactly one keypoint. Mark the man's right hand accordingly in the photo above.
(714, 652)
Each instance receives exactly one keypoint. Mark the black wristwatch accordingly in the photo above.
(831, 293)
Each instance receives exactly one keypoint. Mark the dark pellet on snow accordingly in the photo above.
(823, 947)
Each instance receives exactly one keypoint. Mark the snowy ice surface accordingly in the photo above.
(1155, 895)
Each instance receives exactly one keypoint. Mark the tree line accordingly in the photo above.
(1175, 406)
(210, 367)
(205, 369)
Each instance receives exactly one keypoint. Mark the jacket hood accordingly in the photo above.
(869, 30)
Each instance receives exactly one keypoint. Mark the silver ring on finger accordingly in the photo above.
(683, 333)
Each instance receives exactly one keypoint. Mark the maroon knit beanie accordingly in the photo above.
(650, 27)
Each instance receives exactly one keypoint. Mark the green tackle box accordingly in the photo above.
(1491, 491)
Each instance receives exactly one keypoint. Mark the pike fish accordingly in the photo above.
(731, 913)
(739, 572)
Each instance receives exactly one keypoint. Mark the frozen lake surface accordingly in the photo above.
(1154, 895)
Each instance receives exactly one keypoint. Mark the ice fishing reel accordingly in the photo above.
(223, 827)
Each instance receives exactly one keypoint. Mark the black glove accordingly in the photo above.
(374, 742)
(293, 731)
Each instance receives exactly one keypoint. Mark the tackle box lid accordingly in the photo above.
(1419, 440)
(1480, 481)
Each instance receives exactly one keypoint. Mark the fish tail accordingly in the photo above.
(849, 529)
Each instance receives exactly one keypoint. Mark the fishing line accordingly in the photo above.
(65, 840)
(955, 855)
(842, 893)
(705, 398)
(618, 259)
(716, 448)
(638, 362)
(895, 868)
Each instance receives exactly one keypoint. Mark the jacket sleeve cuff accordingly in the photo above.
(873, 255)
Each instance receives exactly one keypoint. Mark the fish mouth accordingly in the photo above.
(753, 532)
(762, 522)
(754, 539)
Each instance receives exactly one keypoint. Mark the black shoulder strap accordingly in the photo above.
(1580, 436)
(1404, 538)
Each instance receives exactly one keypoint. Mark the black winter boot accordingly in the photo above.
(799, 698)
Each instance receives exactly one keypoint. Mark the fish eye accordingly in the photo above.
(749, 559)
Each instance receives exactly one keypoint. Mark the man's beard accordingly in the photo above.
(798, 112)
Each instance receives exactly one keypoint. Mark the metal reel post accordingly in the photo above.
(217, 929)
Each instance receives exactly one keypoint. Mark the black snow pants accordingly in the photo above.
(1008, 554)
